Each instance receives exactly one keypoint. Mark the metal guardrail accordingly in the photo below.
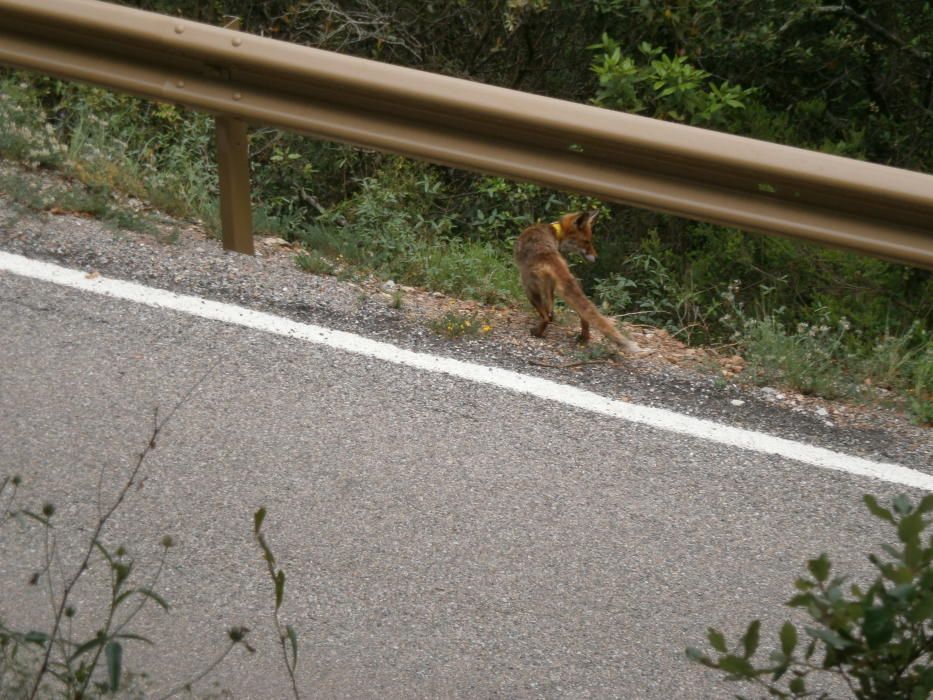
(242, 78)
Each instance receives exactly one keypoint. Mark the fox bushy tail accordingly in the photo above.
(573, 294)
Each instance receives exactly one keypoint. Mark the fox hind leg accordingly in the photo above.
(543, 301)
(544, 312)
(584, 336)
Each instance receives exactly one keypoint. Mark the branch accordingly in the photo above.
(846, 11)
(101, 522)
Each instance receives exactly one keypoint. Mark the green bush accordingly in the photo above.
(664, 86)
(382, 228)
(875, 639)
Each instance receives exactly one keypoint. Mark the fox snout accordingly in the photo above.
(590, 257)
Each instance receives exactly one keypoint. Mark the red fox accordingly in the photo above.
(544, 271)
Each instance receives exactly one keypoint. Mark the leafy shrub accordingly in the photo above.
(382, 228)
(812, 360)
(664, 86)
(876, 639)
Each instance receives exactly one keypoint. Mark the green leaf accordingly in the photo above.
(114, 653)
(829, 637)
(152, 595)
(926, 505)
(902, 505)
(36, 637)
(876, 509)
(695, 654)
(122, 572)
(266, 552)
(892, 552)
(797, 685)
(716, 640)
(780, 669)
(820, 567)
(279, 588)
(878, 627)
(751, 637)
(910, 527)
(293, 638)
(922, 609)
(104, 552)
(737, 666)
(87, 646)
(788, 638)
(34, 516)
(258, 517)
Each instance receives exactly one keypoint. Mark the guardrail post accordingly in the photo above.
(233, 160)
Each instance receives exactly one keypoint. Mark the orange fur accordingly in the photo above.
(544, 272)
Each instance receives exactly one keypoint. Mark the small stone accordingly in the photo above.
(822, 412)
(737, 402)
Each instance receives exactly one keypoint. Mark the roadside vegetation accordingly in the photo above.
(86, 648)
(871, 641)
(853, 79)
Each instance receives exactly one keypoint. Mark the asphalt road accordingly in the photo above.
(440, 538)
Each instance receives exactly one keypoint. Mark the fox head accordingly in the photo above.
(575, 234)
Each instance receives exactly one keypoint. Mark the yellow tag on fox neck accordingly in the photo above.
(558, 230)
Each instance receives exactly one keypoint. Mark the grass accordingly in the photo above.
(595, 352)
(467, 269)
(33, 193)
(314, 263)
(819, 360)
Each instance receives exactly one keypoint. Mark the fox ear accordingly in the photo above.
(593, 214)
(581, 220)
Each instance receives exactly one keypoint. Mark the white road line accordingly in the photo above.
(506, 379)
